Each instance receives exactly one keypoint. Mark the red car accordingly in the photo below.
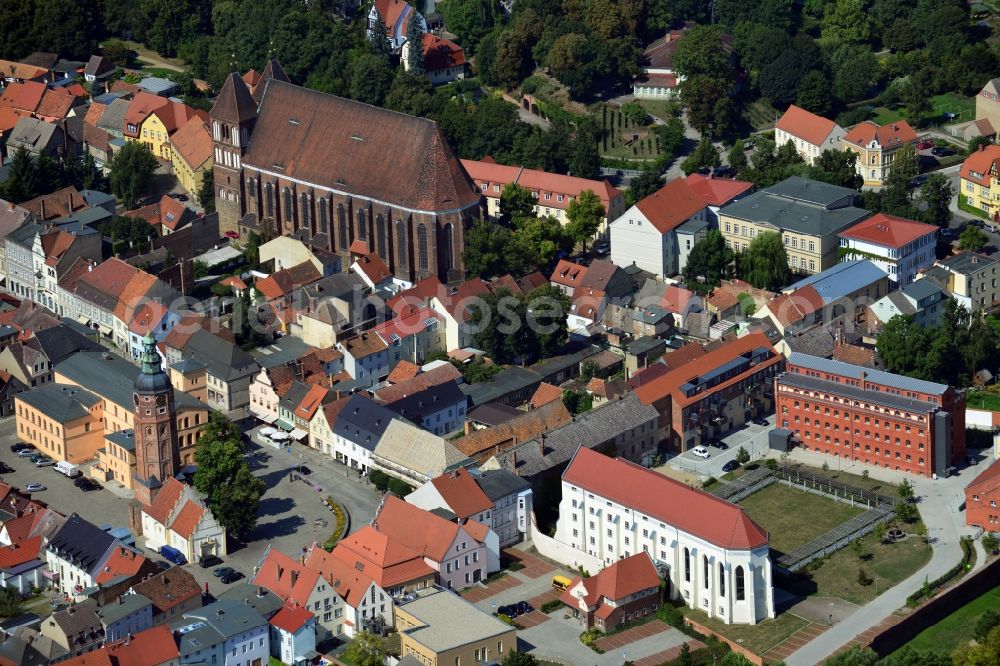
(232, 234)
(924, 145)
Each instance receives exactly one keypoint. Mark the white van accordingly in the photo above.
(67, 468)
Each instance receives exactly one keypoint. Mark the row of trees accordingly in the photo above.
(223, 475)
(985, 650)
(31, 176)
(764, 263)
(512, 328)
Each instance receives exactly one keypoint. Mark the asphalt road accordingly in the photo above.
(288, 510)
(751, 437)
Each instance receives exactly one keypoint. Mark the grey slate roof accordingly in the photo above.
(967, 263)
(112, 378)
(918, 290)
(842, 279)
(414, 406)
(221, 620)
(60, 402)
(500, 483)
(294, 396)
(32, 134)
(363, 421)
(877, 376)
(261, 599)
(590, 429)
(27, 647)
(645, 344)
(223, 359)
(797, 209)
(127, 604)
(123, 438)
(878, 397)
(281, 351)
(811, 191)
(113, 118)
(81, 542)
(59, 342)
(493, 414)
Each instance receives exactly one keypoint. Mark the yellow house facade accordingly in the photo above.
(980, 180)
(62, 422)
(153, 132)
(191, 154)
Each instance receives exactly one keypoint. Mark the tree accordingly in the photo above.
(814, 93)
(366, 649)
(700, 53)
(764, 264)
(936, 194)
(235, 504)
(990, 543)
(879, 532)
(973, 238)
(709, 103)
(516, 202)
(219, 455)
(415, 39)
(856, 656)
(546, 313)
(577, 402)
(132, 170)
(536, 243)
(709, 262)
(846, 21)
(985, 624)
(206, 193)
(22, 181)
(864, 579)
(906, 512)
(378, 39)
(645, 183)
(704, 155)
(585, 214)
(519, 659)
(470, 20)
(737, 156)
(371, 77)
(742, 456)
(11, 604)
(905, 490)
(838, 167)
(499, 323)
(485, 247)
(251, 249)
(858, 549)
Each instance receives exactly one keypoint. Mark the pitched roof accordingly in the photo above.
(152, 646)
(542, 183)
(192, 142)
(82, 542)
(365, 143)
(987, 481)
(978, 166)
(168, 589)
(525, 427)
(21, 552)
(187, 519)
(618, 581)
(842, 279)
(350, 583)
(388, 561)
(423, 531)
(888, 230)
(805, 125)
(438, 376)
(165, 501)
(671, 205)
(414, 448)
(56, 103)
(404, 370)
(60, 203)
(887, 136)
(124, 562)
(291, 618)
(312, 400)
(441, 53)
(98, 65)
(283, 282)
(717, 191)
(373, 268)
(23, 96)
(794, 307)
(544, 394)
(568, 273)
(687, 508)
(94, 112)
(287, 578)
(392, 13)
(461, 493)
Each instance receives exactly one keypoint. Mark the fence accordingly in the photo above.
(837, 538)
(795, 475)
(740, 488)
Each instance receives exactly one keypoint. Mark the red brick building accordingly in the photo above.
(623, 592)
(871, 416)
(982, 500)
(714, 392)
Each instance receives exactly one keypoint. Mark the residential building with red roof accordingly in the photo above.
(982, 499)
(710, 395)
(876, 146)
(980, 180)
(553, 192)
(900, 247)
(623, 592)
(457, 492)
(299, 585)
(56, 105)
(152, 647)
(293, 635)
(22, 564)
(395, 15)
(367, 607)
(718, 192)
(394, 567)
(152, 120)
(919, 426)
(191, 154)
(648, 234)
(716, 558)
(172, 593)
(444, 60)
(165, 216)
(372, 270)
(794, 311)
(179, 517)
(809, 133)
(412, 336)
(544, 394)
(23, 98)
(456, 305)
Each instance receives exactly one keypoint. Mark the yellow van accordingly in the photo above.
(561, 582)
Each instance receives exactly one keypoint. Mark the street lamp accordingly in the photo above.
(876, 586)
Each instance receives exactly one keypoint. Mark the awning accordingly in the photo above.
(298, 435)
(51, 575)
(266, 417)
(83, 319)
(104, 329)
(284, 425)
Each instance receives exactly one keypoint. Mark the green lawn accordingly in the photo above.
(955, 629)
(794, 517)
(885, 115)
(891, 563)
(859, 480)
(982, 400)
(160, 72)
(964, 106)
(658, 108)
(758, 638)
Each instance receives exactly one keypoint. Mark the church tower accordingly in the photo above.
(233, 118)
(155, 426)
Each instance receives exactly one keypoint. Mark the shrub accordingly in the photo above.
(968, 553)
(379, 479)
(339, 528)
(990, 543)
(589, 638)
(863, 578)
(550, 606)
(400, 488)
(670, 615)
(771, 464)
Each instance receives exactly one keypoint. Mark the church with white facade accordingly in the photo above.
(713, 556)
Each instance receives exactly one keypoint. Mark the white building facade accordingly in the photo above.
(729, 581)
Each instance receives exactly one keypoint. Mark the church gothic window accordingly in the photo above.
(269, 200)
(740, 591)
(304, 210)
(342, 221)
(362, 226)
(381, 237)
(422, 246)
(323, 215)
(449, 247)
(287, 196)
(401, 242)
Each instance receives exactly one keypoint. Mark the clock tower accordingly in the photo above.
(155, 424)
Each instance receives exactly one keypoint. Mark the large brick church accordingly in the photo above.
(340, 175)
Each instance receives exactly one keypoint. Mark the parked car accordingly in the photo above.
(722, 446)
(27, 453)
(509, 611)
(941, 151)
(19, 446)
(182, 197)
(701, 452)
(45, 462)
(173, 555)
(209, 561)
(232, 234)
(223, 571)
(730, 466)
(602, 248)
(86, 484)
(34, 488)
(5, 468)
(924, 145)
(231, 577)
(723, 172)
(947, 233)
(761, 421)
(523, 607)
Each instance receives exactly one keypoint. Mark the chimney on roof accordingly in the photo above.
(69, 200)
(41, 206)
(260, 591)
(541, 444)
(295, 576)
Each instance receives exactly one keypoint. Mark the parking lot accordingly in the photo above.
(752, 437)
(288, 510)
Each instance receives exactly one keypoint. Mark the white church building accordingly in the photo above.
(712, 555)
